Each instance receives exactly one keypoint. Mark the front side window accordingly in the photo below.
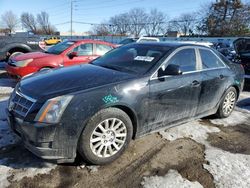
(185, 59)
(102, 49)
(84, 49)
(209, 60)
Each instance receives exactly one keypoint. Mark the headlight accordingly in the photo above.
(23, 63)
(53, 109)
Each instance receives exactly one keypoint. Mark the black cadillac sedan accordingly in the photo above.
(96, 109)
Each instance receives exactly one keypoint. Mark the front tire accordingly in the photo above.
(106, 136)
(227, 103)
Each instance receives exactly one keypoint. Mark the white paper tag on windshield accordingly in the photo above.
(144, 58)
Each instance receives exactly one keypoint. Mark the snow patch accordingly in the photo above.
(171, 180)
(7, 137)
(236, 118)
(21, 170)
(5, 90)
(194, 130)
(228, 169)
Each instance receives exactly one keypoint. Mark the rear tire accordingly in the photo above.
(106, 136)
(227, 103)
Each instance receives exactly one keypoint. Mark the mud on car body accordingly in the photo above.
(96, 109)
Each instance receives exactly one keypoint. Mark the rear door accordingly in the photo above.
(215, 75)
(175, 98)
(84, 54)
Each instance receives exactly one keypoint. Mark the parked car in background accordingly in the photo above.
(127, 41)
(97, 108)
(11, 46)
(242, 48)
(148, 39)
(52, 40)
(67, 53)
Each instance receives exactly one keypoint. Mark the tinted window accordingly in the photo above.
(84, 49)
(132, 58)
(59, 48)
(102, 49)
(186, 59)
(209, 60)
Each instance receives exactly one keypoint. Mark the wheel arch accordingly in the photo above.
(131, 115)
(237, 89)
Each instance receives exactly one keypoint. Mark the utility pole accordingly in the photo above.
(71, 18)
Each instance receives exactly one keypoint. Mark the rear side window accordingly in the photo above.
(102, 49)
(186, 59)
(84, 49)
(209, 60)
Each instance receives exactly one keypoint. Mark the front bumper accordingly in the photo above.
(41, 140)
(20, 72)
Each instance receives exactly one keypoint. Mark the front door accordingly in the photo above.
(175, 98)
(84, 55)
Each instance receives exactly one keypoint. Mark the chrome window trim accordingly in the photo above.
(25, 96)
(208, 49)
(154, 75)
(198, 61)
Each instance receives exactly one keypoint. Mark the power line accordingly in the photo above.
(110, 6)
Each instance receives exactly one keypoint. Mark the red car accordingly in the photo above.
(67, 53)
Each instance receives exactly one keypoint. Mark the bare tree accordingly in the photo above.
(29, 22)
(156, 23)
(43, 21)
(185, 24)
(120, 24)
(10, 20)
(100, 29)
(136, 20)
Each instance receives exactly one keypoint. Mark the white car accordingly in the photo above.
(148, 39)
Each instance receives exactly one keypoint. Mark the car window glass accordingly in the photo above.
(84, 49)
(209, 60)
(132, 58)
(186, 59)
(102, 49)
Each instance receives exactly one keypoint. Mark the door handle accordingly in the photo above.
(222, 77)
(195, 83)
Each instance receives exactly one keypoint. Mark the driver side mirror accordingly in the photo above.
(72, 55)
(171, 70)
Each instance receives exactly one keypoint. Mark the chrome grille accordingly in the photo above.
(21, 104)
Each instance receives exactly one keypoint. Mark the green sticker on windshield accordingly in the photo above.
(110, 99)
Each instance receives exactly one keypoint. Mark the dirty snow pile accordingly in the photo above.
(6, 135)
(170, 180)
(228, 169)
(7, 86)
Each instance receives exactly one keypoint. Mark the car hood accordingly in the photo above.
(32, 55)
(242, 45)
(62, 81)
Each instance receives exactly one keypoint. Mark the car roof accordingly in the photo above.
(174, 44)
(85, 40)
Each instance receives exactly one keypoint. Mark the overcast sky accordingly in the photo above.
(95, 11)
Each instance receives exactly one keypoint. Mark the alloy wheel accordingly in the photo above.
(229, 103)
(108, 137)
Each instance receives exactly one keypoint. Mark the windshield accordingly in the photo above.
(137, 59)
(59, 48)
